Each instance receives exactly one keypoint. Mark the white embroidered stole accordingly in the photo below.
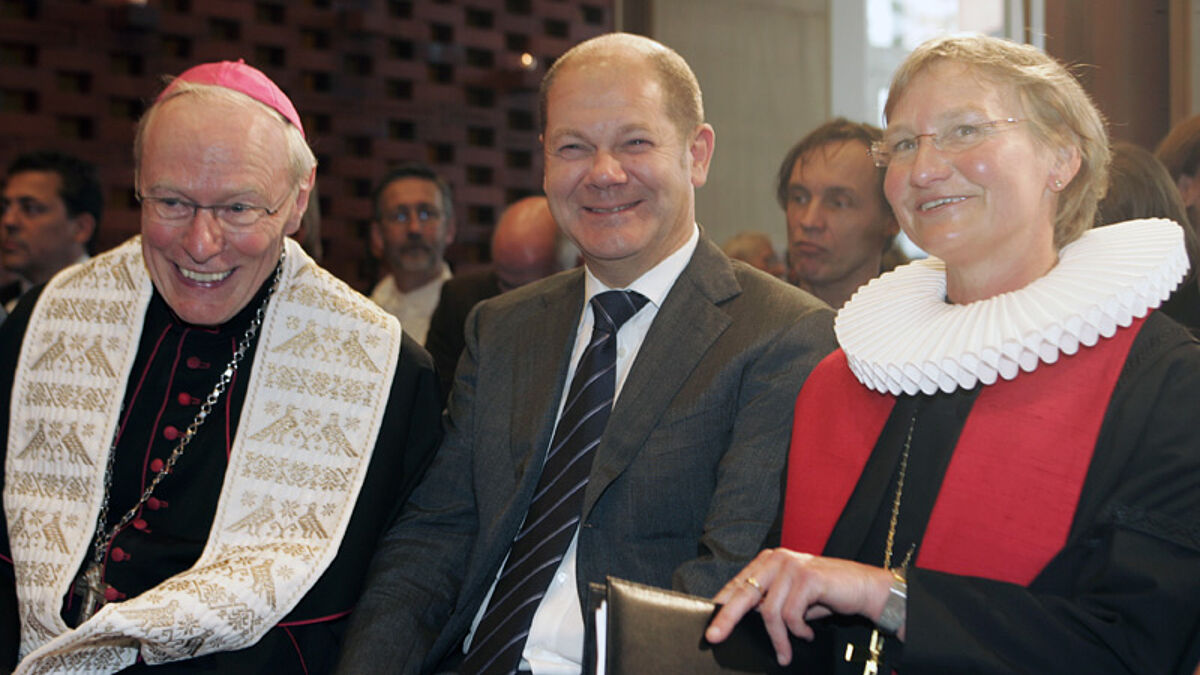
(314, 404)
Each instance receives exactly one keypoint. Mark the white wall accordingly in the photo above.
(763, 67)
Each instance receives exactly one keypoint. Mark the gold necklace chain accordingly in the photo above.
(891, 535)
(875, 644)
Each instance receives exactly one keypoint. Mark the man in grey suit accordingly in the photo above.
(684, 480)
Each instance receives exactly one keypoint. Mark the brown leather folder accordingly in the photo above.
(652, 630)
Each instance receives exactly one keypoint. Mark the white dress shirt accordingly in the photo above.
(555, 643)
(415, 308)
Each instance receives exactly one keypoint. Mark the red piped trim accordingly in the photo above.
(287, 628)
(296, 646)
(163, 407)
(137, 390)
(309, 622)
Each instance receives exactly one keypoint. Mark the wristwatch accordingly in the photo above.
(894, 610)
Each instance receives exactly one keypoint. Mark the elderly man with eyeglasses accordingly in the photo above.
(413, 223)
(206, 432)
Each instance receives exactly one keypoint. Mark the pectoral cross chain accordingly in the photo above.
(874, 652)
(92, 588)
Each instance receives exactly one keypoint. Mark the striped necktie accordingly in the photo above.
(557, 503)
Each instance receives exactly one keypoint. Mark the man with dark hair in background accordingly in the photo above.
(1179, 151)
(51, 209)
(412, 224)
(839, 223)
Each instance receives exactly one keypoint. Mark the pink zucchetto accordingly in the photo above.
(239, 76)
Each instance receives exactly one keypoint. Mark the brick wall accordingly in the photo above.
(376, 82)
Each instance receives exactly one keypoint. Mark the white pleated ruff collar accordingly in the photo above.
(901, 336)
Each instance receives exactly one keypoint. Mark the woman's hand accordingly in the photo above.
(790, 589)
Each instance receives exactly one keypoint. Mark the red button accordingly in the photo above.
(118, 554)
(139, 524)
(112, 595)
(156, 465)
(170, 433)
(194, 362)
(185, 398)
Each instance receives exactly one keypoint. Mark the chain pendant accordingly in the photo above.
(874, 652)
(92, 588)
(871, 667)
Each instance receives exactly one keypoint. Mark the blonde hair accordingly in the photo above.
(1059, 112)
(301, 160)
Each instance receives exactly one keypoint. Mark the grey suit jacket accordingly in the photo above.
(686, 481)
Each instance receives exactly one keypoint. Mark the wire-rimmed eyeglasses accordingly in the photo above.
(235, 214)
(955, 136)
(403, 214)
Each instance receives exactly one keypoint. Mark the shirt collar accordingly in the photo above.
(388, 284)
(657, 281)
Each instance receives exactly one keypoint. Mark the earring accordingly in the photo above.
(1057, 184)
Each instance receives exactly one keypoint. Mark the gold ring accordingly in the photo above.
(751, 581)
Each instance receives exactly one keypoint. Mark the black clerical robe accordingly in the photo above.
(175, 369)
(1122, 595)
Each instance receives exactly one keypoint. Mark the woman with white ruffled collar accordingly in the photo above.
(1000, 469)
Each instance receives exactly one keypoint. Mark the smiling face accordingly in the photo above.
(213, 152)
(836, 222)
(620, 175)
(987, 211)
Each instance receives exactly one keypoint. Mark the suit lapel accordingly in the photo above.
(541, 367)
(688, 323)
